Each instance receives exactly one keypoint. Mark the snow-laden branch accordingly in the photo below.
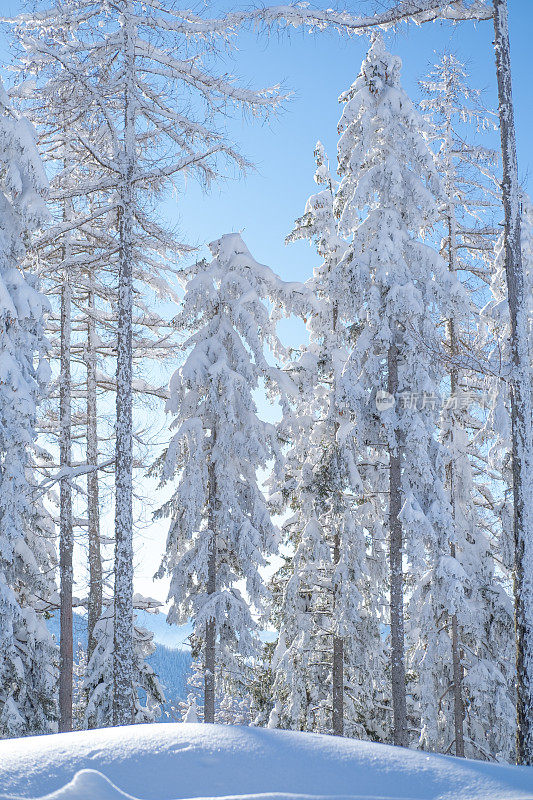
(418, 11)
(302, 14)
(70, 473)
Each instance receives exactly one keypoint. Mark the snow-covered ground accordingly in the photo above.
(167, 762)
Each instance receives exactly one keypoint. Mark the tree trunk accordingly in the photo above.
(457, 667)
(66, 539)
(399, 701)
(210, 628)
(520, 395)
(338, 643)
(123, 700)
(93, 506)
(458, 705)
(338, 676)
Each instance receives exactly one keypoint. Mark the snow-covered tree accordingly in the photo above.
(79, 695)
(495, 438)
(27, 651)
(389, 194)
(479, 660)
(521, 402)
(190, 710)
(221, 531)
(98, 681)
(133, 62)
(328, 663)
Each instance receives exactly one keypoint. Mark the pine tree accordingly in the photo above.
(27, 651)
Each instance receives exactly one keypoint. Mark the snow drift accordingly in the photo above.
(171, 762)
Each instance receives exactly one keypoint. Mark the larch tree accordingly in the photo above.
(123, 56)
(76, 258)
(27, 651)
(496, 435)
(221, 531)
(479, 661)
(520, 385)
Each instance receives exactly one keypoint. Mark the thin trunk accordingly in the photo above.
(520, 395)
(457, 667)
(210, 628)
(123, 700)
(93, 506)
(66, 539)
(458, 705)
(399, 701)
(338, 643)
(338, 667)
(458, 673)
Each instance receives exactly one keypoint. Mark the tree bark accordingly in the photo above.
(338, 643)
(399, 701)
(93, 505)
(66, 539)
(123, 699)
(457, 667)
(520, 395)
(210, 628)
(338, 668)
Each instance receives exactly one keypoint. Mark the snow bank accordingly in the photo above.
(172, 762)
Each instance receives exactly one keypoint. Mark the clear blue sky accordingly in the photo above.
(317, 69)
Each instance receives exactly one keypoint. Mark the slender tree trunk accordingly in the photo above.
(520, 395)
(66, 539)
(399, 701)
(123, 700)
(338, 667)
(338, 642)
(93, 505)
(457, 667)
(458, 705)
(210, 628)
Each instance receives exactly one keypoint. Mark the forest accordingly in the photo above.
(349, 521)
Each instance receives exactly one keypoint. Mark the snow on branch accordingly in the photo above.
(302, 14)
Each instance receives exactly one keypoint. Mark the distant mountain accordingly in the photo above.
(173, 667)
(172, 664)
(79, 626)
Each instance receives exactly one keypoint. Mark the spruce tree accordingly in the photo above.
(388, 195)
(221, 531)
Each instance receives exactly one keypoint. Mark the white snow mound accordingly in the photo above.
(88, 784)
(221, 762)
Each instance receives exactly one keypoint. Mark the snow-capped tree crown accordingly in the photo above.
(383, 159)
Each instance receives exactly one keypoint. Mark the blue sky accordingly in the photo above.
(317, 68)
